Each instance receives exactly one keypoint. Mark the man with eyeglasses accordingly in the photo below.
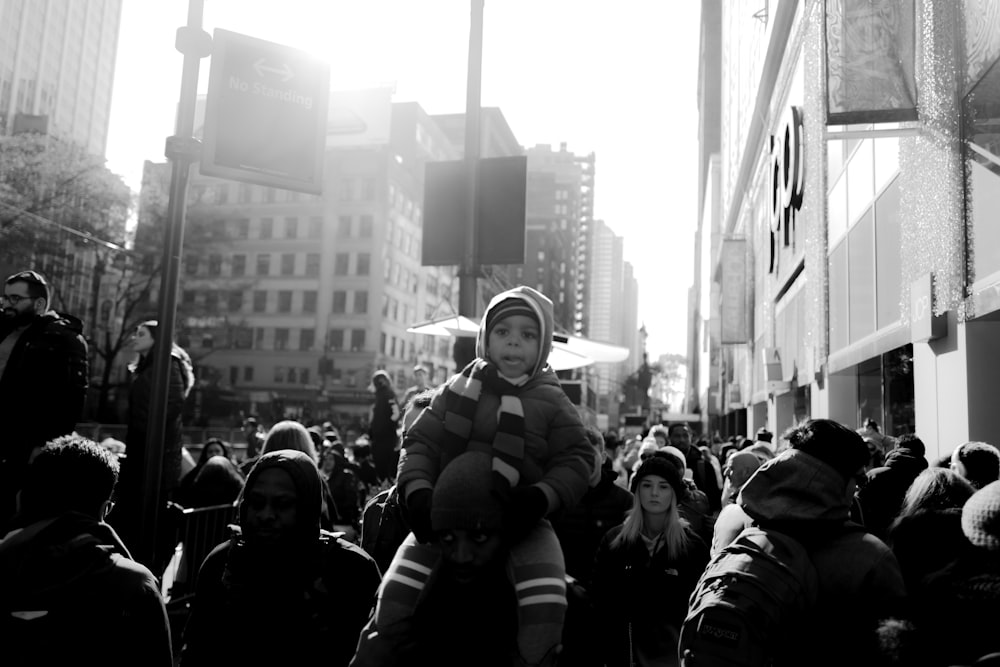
(44, 375)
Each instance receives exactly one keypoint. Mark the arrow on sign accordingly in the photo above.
(285, 72)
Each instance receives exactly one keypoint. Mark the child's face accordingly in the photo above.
(513, 345)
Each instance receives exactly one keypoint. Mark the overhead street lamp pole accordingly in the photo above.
(468, 272)
(182, 150)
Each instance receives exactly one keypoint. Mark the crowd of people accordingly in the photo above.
(482, 522)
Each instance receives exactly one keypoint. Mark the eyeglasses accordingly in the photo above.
(14, 299)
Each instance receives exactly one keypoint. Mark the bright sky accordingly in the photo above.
(616, 78)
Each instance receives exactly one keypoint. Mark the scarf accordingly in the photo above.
(461, 398)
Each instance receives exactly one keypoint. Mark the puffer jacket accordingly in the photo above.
(882, 495)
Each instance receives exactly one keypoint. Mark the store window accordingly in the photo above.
(885, 391)
(982, 108)
(861, 285)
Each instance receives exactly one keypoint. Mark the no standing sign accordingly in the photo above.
(265, 118)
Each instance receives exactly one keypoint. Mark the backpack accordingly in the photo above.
(751, 604)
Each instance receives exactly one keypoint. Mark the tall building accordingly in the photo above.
(57, 66)
(290, 302)
(857, 265)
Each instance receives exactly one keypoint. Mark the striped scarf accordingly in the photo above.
(461, 398)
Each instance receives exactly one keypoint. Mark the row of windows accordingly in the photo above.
(283, 301)
(242, 193)
(392, 346)
(288, 264)
(243, 229)
(282, 375)
(283, 339)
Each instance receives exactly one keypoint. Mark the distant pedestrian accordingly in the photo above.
(44, 373)
(419, 384)
(384, 425)
(882, 494)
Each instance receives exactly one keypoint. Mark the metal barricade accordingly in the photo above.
(197, 531)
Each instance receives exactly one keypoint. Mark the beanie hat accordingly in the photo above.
(660, 464)
(832, 443)
(463, 497)
(981, 517)
(670, 450)
(508, 308)
(981, 461)
(521, 300)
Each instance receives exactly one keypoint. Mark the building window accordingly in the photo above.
(281, 338)
(266, 228)
(368, 189)
(312, 264)
(307, 338)
(335, 339)
(361, 302)
(279, 374)
(346, 189)
(235, 301)
(367, 223)
(187, 297)
(259, 301)
(288, 264)
(191, 265)
(304, 376)
(221, 193)
(344, 227)
(248, 373)
(357, 340)
(211, 301)
(270, 195)
(258, 338)
(245, 193)
(285, 301)
(341, 263)
(339, 301)
(364, 263)
(291, 228)
(263, 264)
(239, 265)
(315, 230)
(292, 375)
(309, 301)
(383, 339)
(241, 228)
(234, 374)
(241, 338)
(214, 265)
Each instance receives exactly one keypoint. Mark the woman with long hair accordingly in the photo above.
(145, 343)
(645, 570)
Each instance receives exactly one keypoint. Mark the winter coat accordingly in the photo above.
(643, 600)
(859, 579)
(926, 541)
(311, 593)
(581, 528)
(383, 527)
(882, 495)
(44, 383)
(71, 594)
(704, 477)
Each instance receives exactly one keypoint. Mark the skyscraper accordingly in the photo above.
(57, 66)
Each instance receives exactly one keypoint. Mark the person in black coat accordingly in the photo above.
(882, 495)
(145, 343)
(44, 374)
(384, 425)
(308, 591)
(581, 527)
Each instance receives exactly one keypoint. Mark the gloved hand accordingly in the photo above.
(527, 506)
(418, 514)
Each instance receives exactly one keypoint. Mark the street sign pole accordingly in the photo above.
(468, 273)
(182, 150)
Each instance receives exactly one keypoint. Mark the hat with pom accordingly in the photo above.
(660, 464)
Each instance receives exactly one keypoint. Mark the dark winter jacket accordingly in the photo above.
(70, 594)
(643, 600)
(311, 594)
(860, 580)
(581, 528)
(882, 494)
(44, 384)
(925, 542)
(704, 477)
(383, 527)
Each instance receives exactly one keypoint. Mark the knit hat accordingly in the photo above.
(521, 300)
(660, 464)
(832, 443)
(981, 517)
(981, 461)
(463, 497)
(670, 450)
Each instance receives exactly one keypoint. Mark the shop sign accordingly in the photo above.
(788, 167)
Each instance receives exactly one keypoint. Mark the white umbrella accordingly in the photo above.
(567, 351)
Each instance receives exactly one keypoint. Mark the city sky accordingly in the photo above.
(618, 79)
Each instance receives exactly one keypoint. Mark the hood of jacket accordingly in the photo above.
(54, 554)
(794, 487)
(905, 460)
(308, 490)
(541, 305)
